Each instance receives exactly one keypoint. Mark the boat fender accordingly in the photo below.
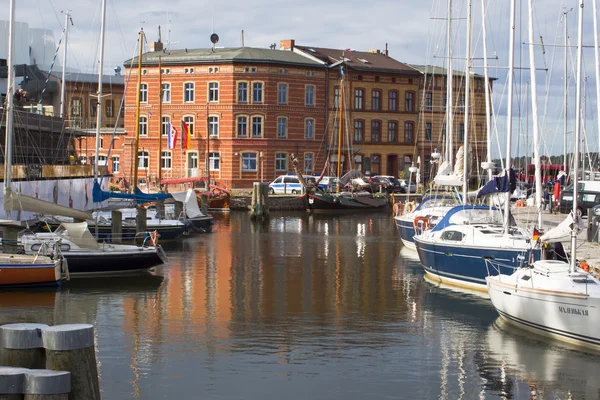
(584, 266)
(336, 200)
(154, 238)
(410, 207)
(398, 208)
(422, 219)
(520, 203)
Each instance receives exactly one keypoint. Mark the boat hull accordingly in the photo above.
(14, 275)
(328, 202)
(104, 263)
(571, 318)
(407, 232)
(129, 232)
(201, 224)
(465, 266)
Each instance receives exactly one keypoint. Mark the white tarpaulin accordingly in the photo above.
(563, 230)
(190, 203)
(79, 234)
(19, 202)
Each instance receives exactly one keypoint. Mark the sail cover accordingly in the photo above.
(506, 182)
(99, 195)
(79, 234)
(445, 176)
(190, 203)
(14, 201)
(563, 229)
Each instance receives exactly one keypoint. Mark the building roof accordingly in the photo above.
(434, 70)
(80, 77)
(375, 61)
(224, 55)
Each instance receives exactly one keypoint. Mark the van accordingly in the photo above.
(588, 197)
(286, 184)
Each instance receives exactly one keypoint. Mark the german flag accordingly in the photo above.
(536, 234)
(186, 134)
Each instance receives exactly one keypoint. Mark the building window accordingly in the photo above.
(189, 120)
(143, 93)
(375, 131)
(375, 164)
(444, 101)
(93, 107)
(444, 131)
(309, 128)
(358, 131)
(392, 132)
(280, 162)
(428, 81)
(192, 163)
(461, 133)
(428, 101)
(214, 161)
(164, 126)
(479, 84)
(213, 91)
(409, 102)
(116, 164)
(77, 107)
(257, 92)
(408, 132)
(213, 126)
(310, 95)
(143, 159)
(428, 131)
(249, 162)
(281, 127)
(242, 96)
(308, 163)
(188, 92)
(282, 93)
(109, 108)
(336, 97)
(407, 164)
(165, 160)
(143, 126)
(358, 99)
(376, 100)
(461, 102)
(256, 127)
(242, 126)
(393, 101)
(166, 92)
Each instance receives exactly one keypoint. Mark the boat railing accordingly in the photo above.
(496, 268)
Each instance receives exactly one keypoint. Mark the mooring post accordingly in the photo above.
(140, 220)
(43, 384)
(21, 345)
(205, 202)
(70, 348)
(179, 210)
(116, 235)
(12, 383)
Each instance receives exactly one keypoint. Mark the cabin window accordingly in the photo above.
(455, 236)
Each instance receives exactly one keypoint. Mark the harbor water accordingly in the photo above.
(304, 306)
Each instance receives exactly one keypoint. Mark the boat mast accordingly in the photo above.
(466, 110)
(509, 111)
(64, 67)
(573, 261)
(340, 130)
(534, 113)
(488, 123)
(160, 124)
(137, 114)
(566, 88)
(8, 150)
(449, 81)
(597, 59)
(99, 102)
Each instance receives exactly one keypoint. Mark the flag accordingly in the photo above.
(187, 135)
(536, 234)
(171, 136)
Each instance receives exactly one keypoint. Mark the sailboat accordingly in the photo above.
(317, 200)
(19, 270)
(456, 250)
(85, 255)
(552, 297)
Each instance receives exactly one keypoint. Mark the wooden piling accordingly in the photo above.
(178, 209)
(21, 345)
(43, 384)
(71, 348)
(12, 383)
(116, 235)
(260, 200)
(140, 220)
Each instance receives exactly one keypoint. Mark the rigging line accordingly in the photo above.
(549, 81)
(51, 68)
(122, 106)
(55, 13)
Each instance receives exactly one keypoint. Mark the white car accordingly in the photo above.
(412, 188)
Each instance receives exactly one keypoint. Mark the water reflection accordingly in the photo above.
(302, 306)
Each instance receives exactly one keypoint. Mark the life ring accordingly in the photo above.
(398, 208)
(154, 238)
(425, 222)
(520, 203)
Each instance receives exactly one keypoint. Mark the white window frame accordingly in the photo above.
(282, 93)
(258, 88)
(166, 92)
(189, 119)
(164, 125)
(143, 125)
(237, 126)
(309, 98)
(143, 92)
(254, 159)
(309, 127)
(214, 160)
(116, 162)
(213, 126)
(281, 162)
(143, 155)
(245, 91)
(260, 126)
(213, 92)
(166, 160)
(279, 127)
(187, 90)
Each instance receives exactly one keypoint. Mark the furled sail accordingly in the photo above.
(505, 182)
(14, 201)
(446, 177)
(99, 195)
(563, 230)
(190, 203)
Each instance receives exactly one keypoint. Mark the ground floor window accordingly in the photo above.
(249, 162)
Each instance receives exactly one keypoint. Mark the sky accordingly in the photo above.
(414, 31)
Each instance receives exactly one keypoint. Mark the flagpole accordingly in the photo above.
(137, 114)
(207, 185)
(160, 100)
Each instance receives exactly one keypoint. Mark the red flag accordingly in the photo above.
(186, 141)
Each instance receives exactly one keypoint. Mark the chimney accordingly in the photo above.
(385, 53)
(287, 44)
(156, 46)
(373, 51)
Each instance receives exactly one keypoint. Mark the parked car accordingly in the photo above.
(289, 184)
(588, 197)
(393, 184)
(408, 188)
(328, 183)
(379, 184)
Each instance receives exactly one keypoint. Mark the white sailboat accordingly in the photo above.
(554, 298)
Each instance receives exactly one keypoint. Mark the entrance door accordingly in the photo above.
(392, 165)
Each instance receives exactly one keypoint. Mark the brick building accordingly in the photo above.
(256, 107)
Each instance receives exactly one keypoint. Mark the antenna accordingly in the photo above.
(159, 34)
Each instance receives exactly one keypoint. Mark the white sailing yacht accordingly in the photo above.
(554, 298)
